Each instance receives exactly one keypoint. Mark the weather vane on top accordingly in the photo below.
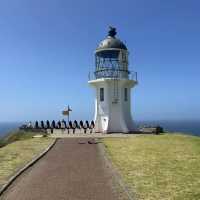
(112, 31)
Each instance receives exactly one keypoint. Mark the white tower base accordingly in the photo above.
(113, 108)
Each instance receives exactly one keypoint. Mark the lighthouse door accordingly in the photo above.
(104, 122)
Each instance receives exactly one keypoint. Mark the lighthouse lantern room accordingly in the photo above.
(113, 82)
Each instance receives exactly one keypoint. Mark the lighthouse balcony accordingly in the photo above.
(113, 74)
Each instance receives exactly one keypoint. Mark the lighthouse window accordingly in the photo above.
(101, 94)
(125, 94)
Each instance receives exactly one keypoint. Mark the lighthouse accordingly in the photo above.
(113, 82)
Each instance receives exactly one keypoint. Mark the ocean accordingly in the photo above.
(187, 127)
(6, 127)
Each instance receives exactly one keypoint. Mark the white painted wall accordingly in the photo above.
(109, 116)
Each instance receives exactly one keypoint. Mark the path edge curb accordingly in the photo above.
(28, 165)
(117, 176)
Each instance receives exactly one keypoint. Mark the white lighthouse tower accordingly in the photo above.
(113, 82)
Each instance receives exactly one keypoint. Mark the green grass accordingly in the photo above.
(16, 136)
(164, 167)
(15, 155)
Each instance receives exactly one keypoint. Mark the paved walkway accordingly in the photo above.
(69, 171)
(95, 135)
(80, 134)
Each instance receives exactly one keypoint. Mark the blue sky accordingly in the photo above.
(47, 49)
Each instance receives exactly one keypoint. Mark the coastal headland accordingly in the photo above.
(165, 166)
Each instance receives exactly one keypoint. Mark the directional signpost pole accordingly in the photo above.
(69, 110)
(66, 112)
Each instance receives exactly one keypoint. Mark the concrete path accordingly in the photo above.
(80, 134)
(69, 171)
(96, 135)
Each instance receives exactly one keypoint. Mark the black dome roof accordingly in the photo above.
(111, 41)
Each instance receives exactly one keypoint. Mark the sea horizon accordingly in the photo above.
(190, 127)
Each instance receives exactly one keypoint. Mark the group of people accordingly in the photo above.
(73, 125)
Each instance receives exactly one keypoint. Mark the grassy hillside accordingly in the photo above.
(16, 136)
(164, 167)
(16, 154)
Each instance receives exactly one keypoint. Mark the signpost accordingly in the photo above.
(66, 112)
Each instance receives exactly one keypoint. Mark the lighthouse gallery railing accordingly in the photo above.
(115, 74)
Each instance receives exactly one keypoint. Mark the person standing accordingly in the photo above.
(85, 127)
(67, 127)
(36, 125)
(91, 126)
(59, 124)
(63, 126)
(74, 127)
(47, 124)
(53, 124)
(42, 124)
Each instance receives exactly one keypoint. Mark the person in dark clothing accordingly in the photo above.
(74, 127)
(36, 125)
(85, 127)
(81, 124)
(70, 124)
(42, 124)
(92, 123)
(65, 124)
(75, 122)
(59, 124)
(53, 124)
(87, 123)
(48, 124)
(67, 127)
(91, 126)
